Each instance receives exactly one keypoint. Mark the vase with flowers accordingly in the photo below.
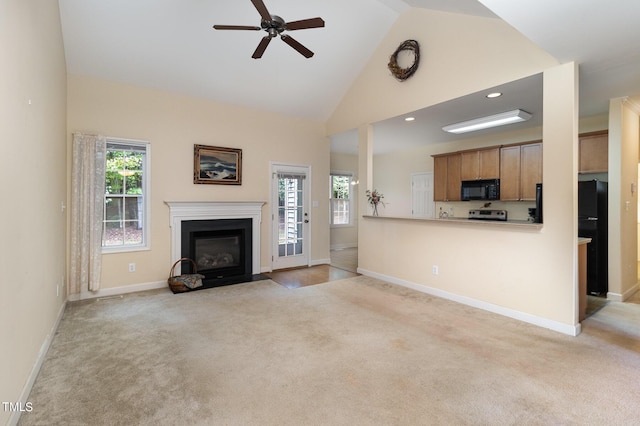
(375, 198)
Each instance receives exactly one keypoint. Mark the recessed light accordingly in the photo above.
(409, 119)
(494, 95)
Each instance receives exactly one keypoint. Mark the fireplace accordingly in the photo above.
(221, 249)
(222, 237)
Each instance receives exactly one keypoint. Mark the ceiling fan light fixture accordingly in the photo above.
(504, 118)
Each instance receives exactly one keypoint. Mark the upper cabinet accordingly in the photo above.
(520, 170)
(480, 164)
(518, 166)
(446, 177)
(593, 152)
(531, 173)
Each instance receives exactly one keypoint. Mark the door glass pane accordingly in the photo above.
(290, 216)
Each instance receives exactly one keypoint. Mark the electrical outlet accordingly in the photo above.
(132, 267)
(434, 270)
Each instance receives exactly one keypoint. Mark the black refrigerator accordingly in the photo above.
(593, 223)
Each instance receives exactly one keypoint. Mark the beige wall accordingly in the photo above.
(529, 274)
(345, 236)
(461, 54)
(173, 124)
(526, 273)
(623, 202)
(32, 134)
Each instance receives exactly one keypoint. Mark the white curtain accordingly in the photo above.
(87, 200)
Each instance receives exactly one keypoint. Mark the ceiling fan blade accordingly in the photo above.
(262, 9)
(304, 24)
(236, 27)
(261, 47)
(296, 45)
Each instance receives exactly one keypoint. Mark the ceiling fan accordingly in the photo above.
(274, 26)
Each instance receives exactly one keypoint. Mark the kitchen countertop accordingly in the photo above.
(463, 220)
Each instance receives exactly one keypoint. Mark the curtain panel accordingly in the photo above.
(87, 201)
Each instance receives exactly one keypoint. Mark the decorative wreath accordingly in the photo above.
(402, 74)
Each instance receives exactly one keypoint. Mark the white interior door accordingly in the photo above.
(422, 204)
(290, 215)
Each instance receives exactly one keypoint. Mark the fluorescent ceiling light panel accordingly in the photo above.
(495, 120)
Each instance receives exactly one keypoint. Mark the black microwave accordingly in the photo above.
(483, 189)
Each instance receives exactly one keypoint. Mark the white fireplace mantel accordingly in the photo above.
(209, 210)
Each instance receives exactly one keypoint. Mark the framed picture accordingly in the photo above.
(217, 165)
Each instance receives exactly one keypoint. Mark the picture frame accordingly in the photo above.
(217, 165)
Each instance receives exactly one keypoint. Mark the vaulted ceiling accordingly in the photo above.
(170, 45)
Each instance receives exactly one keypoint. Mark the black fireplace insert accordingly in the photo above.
(221, 249)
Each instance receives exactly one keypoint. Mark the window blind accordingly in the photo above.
(290, 175)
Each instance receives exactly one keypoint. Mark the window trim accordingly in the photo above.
(350, 175)
(146, 200)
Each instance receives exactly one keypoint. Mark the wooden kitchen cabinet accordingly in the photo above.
(440, 178)
(530, 170)
(446, 177)
(593, 152)
(480, 164)
(520, 170)
(518, 166)
(510, 173)
(453, 177)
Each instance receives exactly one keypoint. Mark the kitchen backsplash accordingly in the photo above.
(516, 210)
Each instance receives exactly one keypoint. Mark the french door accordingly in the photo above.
(290, 215)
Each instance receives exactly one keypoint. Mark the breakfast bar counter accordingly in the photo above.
(522, 224)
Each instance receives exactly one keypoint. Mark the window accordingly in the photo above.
(126, 202)
(341, 207)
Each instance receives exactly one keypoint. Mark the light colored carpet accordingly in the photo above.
(354, 351)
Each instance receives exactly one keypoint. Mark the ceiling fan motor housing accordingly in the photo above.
(275, 26)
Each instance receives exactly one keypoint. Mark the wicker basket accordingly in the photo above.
(184, 282)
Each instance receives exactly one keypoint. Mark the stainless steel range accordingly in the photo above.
(484, 214)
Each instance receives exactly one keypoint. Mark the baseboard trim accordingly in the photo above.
(26, 391)
(115, 291)
(500, 310)
(617, 297)
(343, 246)
(320, 262)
